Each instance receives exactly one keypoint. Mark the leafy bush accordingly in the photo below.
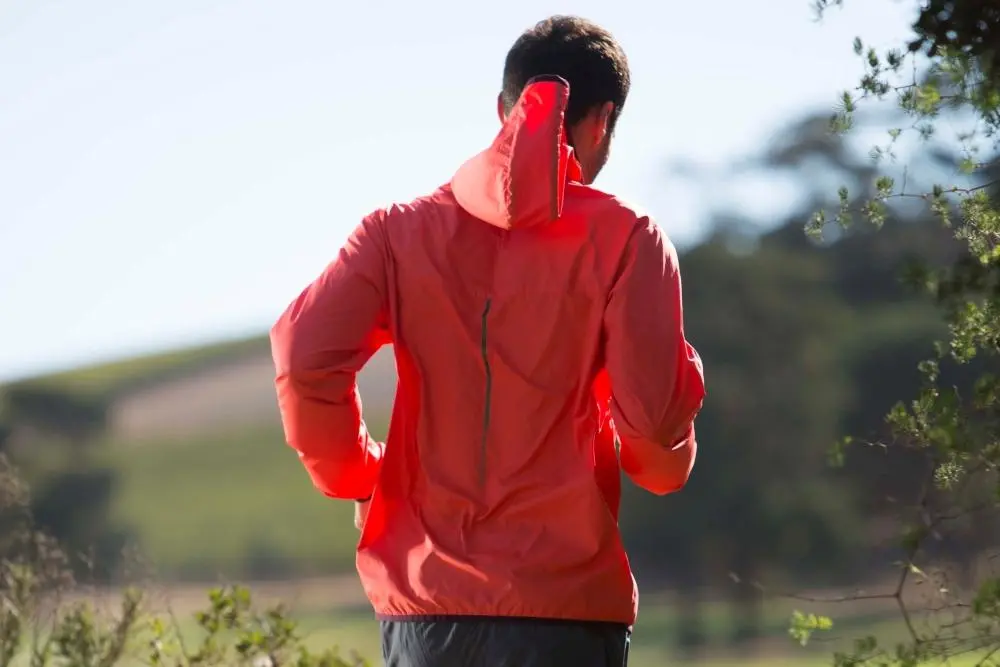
(945, 79)
(45, 621)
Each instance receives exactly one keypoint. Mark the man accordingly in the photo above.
(537, 325)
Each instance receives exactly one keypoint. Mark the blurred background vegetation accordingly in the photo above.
(805, 339)
(182, 454)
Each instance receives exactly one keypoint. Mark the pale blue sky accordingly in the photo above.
(175, 171)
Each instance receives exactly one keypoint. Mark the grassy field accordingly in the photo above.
(237, 504)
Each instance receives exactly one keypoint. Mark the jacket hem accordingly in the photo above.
(465, 617)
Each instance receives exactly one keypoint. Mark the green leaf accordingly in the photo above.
(884, 186)
(802, 626)
(814, 227)
(836, 454)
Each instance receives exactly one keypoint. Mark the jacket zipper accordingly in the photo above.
(488, 396)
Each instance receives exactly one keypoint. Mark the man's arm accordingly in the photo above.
(319, 344)
(657, 382)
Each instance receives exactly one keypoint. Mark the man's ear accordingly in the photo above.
(500, 114)
(603, 124)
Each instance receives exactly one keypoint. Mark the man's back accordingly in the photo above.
(497, 336)
(535, 321)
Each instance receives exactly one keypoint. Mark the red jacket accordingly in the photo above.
(536, 324)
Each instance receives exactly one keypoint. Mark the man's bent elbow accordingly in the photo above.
(673, 482)
(661, 470)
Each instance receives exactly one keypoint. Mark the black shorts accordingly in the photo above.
(503, 642)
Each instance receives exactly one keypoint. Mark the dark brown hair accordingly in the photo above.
(581, 52)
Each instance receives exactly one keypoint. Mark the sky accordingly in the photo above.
(174, 172)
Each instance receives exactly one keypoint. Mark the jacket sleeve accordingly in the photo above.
(319, 344)
(656, 376)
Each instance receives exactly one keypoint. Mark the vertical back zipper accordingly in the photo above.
(487, 397)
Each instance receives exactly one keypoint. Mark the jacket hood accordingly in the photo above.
(520, 180)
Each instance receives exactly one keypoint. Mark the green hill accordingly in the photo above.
(118, 377)
(223, 497)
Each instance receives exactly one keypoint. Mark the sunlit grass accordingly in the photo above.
(227, 505)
